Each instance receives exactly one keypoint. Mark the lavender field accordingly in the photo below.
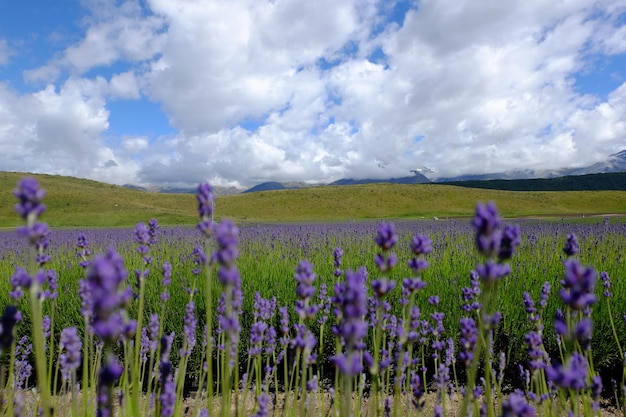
(514, 318)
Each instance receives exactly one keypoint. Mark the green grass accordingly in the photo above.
(80, 202)
(267, 259)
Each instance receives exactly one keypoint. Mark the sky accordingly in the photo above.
(239, 92)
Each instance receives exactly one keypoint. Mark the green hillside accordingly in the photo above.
(80, 202)
(590, 182)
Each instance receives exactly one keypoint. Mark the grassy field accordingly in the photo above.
(80, 202)
(307, 225)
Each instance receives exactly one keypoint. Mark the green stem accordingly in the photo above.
(40, 352)
(135, 364)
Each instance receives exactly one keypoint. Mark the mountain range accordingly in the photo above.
(614, 163)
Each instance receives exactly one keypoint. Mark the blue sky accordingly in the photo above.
(237, 92)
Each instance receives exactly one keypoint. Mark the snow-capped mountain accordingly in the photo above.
(614, 163)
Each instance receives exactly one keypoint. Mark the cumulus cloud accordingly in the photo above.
(125, 86)
(59, 131)
(315, 91)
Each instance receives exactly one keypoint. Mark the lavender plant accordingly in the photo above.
(399, 343)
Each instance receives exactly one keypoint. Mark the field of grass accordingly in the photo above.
(257, 262)
(80, 202)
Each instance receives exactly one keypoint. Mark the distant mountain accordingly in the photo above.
(588, 182)
(417, 178)
(183, 190)
(178, 190)
(614, 163)
(134, 187)
(266, 186)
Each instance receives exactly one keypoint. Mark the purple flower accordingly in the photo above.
(349, 365)
(227, 237)
(153, 226)
(386, 237)
(86, 303)
(509, 241)
(433, 300)
(543, 297)
(199, 259)
(257, 332)
(311, 384)
(450, 358)
(166, 272)
(386, 263)
(487, 222)
(571, 376)
(104, 278)
(571, 246)
(304, 339)
(418, 265)
(231, 299)
(305, 290)
(560, 326)
(283, 312)
(351, 302)
(596, 387)
(45, 326)
(490, 272)
(264, 308)
(538, 356)
(37, 235)
(20, 281)
(305, 277)
(168, 396)
(467, 339)
(529, 304)
(606, 283)
(23, 368)
(578, 286)
(515, 405)
(417, 390)
(53, 284)
(582, 332)
(29, 196)
(9, 319)
(324, 304)
(421, 245)
(412, 285)
(83, 250)
(142, 236)
(337, 257)
(153, 328)
(382, 287)
(144, 345)
(71, 346)
(189, 328)
(270, 340)
(110, 372)
(206, 200)
(262, 400)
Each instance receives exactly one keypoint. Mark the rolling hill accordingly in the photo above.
(74, 202)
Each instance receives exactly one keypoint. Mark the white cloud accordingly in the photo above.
(124, 38)
(461, 86)
(125, 86)
(224, 62)
(60, 131)
(135, 144)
